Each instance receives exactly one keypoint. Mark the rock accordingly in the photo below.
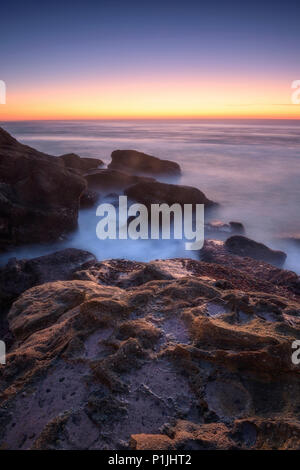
(20, 275)
(137, 162)
(83, 164)
(187, 435)
(39, 197)
(270, 277)
(166, 362)
(11, 150)
(158, 193)
(217, 227)
(221, 229)
(237, 227)
(108, 180)
(214, 251)
(243, 246)
(89, 198)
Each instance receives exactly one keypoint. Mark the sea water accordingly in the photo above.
(250, 167)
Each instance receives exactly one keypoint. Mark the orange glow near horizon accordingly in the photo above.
(167, 98)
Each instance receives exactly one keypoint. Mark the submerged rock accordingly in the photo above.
(158, 193)
(222, 229)
(243, 246)
(137, 162)
(237, 227)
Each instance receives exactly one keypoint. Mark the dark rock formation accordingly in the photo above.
(108, 180)
(237, 227)
(83, 164)
(39, 197)
(243, 246)
(89, 198)
(158, 193)
(137, 162)
(163, 355)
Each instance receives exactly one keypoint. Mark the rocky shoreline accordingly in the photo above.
(174, 354)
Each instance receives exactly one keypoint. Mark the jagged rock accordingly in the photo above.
(20, 275)
(147, 360)
(243, 246)
(215, 251)
(83, 164)
(39, 197)
(137, 162)
(158, 193)
(187, 436)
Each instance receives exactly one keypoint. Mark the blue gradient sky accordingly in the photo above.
(104, 45)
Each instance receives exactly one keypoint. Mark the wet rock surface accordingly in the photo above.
(158, 193)
(243, 246)
(175, 354)
(39, 196)
(132, 161)
(113, 180)
(82, 164)
(222, 230)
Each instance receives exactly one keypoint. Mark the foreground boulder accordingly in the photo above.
(82, 164)
(158, 193)
(137, 162)
(243, 246)
(152, 356)
(39, 197)
(19, 275)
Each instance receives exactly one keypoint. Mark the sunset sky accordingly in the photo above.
(127, 59)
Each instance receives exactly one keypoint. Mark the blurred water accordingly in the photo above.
(251, 167)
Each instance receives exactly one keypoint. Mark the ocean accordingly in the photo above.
(251, 167)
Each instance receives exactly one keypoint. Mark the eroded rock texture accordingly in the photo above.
(176, 354)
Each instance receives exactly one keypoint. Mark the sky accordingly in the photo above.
(128, 59)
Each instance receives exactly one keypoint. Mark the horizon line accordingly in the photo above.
(159, 118)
